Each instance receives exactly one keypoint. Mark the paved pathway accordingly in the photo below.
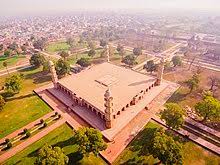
(30, 125)
(192, 137)
(15, 68)
(30, 140)
(135, 126)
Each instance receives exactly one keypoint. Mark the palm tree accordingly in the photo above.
(5, 64)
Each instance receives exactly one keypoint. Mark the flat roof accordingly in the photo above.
(92, 83)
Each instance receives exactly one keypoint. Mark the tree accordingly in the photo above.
(213, 82)
(137, 51)
(64, 55)
(62, 67)
(1, 47)
(121, 51)
(129, 60)
(193, 82)
(13, 46)
(89, 141)
(37, 60)
(13, 84)
(119, 48)
(111, 50)
(84, 62)
(177, 61)
(91, 53)
(8, 52)
(208, 108)
(39, 44)
(150, 66)
(173, 115)
(2, 102)
(70, 41)
(166, 149)
(5, 64)
(49, 155)
(24, 49)
(103, 43)
(91, 45)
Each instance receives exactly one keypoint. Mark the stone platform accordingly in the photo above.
(121, 120)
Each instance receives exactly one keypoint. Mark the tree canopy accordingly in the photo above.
(150, 66)
(173, 115)
(84, 62)
(166, 149)
(62, 67)
(208, 108)
(39, 44)
(92, 53)
(37, 60)
(137, 51)
(193, 82)
(49, 155)
(103, 43)
(64, 54)
(129, 60)
(89, 140)
(176, 60)
(13, 84)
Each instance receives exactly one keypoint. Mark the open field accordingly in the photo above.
(24, 107)
(136, 152)
(10, 60)
(182, 96)
(62, 137)
(57, 47)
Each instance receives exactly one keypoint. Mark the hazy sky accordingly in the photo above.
(9, 7)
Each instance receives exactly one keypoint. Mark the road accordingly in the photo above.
(15, 69)
(168, 54)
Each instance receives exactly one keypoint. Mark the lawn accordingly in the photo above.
(136, 152)
(24, 107)
(182, 96)
(57, 47)
(10, 60)
(62, 137)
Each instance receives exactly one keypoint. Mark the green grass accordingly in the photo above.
(24, 107)
(136, 151)
(10, 60)
(57, 47)
(62, 137)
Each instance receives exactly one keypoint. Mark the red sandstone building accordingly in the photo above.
(107, 96)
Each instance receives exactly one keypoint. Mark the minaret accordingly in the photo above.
(107, 53)
(109, 110)
(160, 72)
(53, 73)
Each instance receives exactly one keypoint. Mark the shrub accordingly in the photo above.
(56, 113)
(41, 121)
(25, 130)
(28, 134)
(7, 140)
(59, 116)
(45, 125)
(9, 145)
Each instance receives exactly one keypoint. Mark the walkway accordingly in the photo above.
(192, 137)
(11, 152)
(30, 125)
(15, 69)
